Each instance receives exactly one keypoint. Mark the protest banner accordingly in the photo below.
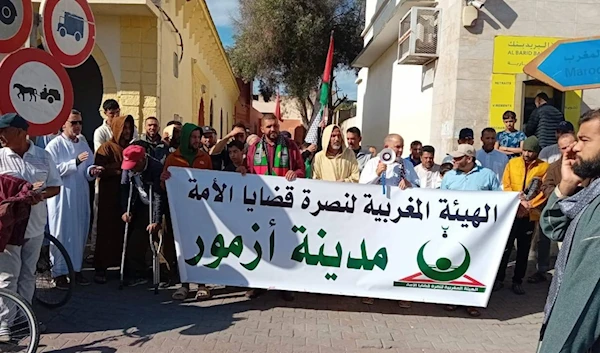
(433, 246)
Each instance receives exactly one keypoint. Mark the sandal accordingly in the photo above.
(473, 312)
(518, 289)
(404, 304)
(368, 301)
(203, 293)
(181, 294)
(537, 278)
(450, 307)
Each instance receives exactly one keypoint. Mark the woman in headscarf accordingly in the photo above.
(110, 229)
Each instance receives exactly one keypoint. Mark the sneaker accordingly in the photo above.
(255, 293)
(62, 283)
(497, 286)
(81, 280)
(137, 282)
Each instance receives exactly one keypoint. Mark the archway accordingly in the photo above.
(88, 87)
(211, 122)
(201, 113)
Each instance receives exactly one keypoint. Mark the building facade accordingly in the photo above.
(163, 59)
(472, 70)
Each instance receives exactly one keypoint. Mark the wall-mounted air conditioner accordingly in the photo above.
(418, 37)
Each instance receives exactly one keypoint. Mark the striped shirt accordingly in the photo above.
(36, 165)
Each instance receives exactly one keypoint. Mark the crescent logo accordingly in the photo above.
(443, 270)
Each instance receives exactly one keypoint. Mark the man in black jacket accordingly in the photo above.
(544, 121)
(142, 172)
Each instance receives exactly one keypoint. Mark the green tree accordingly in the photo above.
(283, 43)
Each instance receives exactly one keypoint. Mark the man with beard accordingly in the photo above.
(335, 162)
(152, 141)
(572, 215)
(69, 211)
(189, 155)
(274, 155)
(519, 174)
(400, 173)
(110, 227)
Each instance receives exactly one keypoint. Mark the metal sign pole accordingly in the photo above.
(32, 41)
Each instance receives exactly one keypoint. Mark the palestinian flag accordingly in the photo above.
(320, 108)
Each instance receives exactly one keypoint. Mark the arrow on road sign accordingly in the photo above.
(569, 64)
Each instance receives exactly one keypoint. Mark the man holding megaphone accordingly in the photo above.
(389, 161)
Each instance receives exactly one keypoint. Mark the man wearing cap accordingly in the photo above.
(465, 137)
(518, 176)
(468, 176)
(20, 158)
(142, 173)
(69, 211)
(552, 153)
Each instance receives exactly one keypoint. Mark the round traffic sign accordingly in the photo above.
(35, 85)
(16, 20)
(68, 30)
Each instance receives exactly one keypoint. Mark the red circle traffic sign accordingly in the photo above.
(68, 30)
(16, 20)
(35, 85)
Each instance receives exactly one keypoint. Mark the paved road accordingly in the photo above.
(104, 319)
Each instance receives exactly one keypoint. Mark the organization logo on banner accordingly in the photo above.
(443, 274)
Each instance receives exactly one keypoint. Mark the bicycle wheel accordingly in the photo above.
(55, 277)
(19, 330)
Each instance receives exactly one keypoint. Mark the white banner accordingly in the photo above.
(337, 238)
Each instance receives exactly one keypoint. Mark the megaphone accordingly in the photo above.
(387, 156)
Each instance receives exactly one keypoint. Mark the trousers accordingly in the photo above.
(522, 231)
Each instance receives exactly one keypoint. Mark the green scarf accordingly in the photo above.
(184, 147)
(281, 159)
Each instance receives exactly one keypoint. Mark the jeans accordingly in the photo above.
(522, 231)
(17, 271)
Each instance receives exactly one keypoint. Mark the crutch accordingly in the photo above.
(126, 235)
(154, 248)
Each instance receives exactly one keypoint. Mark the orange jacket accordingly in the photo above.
(175, 159)
(517, 178)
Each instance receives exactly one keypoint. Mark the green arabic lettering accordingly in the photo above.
(331, 261)
(272, 245)
(380, 260)
(301, 254)
(219, 250)
(252, 265)
(196, 259)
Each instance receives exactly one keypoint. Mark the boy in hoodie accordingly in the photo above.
(335, 162)
(188, 155)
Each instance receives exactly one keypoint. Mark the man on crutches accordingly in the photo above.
(143, 207)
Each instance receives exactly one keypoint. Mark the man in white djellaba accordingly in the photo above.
(69, 211)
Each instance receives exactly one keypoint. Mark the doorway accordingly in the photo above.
(532, 88)
(201, 113)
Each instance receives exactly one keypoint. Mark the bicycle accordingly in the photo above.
(19, 331)
(47, 293)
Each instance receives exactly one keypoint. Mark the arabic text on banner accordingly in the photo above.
(338, 238)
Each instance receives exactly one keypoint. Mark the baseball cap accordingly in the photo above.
(565, 126)
(132, 155)
(208, 130)
(465, 133)
(463, 150)
(13, 120)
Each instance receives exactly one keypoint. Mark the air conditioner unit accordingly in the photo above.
(418, 37)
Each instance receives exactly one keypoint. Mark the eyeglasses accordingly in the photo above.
(76, 122)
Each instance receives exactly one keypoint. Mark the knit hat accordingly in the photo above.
(531, 144)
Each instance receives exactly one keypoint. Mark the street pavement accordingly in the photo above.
(100, 318)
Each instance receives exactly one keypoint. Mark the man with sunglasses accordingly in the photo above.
(69, 211)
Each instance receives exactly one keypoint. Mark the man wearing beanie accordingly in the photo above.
(518, 176)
